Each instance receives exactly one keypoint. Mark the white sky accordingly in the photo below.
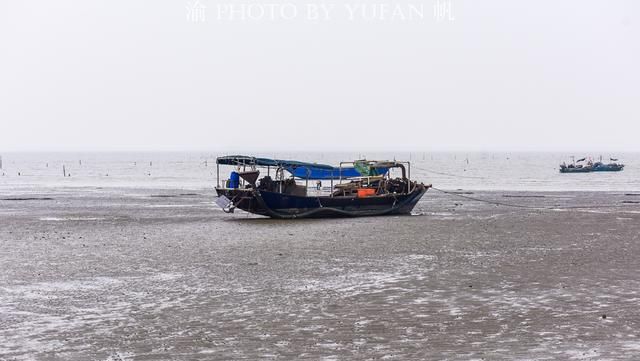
(138, 75)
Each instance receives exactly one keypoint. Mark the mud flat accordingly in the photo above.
(110, 274)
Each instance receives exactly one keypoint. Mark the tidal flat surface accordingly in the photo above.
(127, 274)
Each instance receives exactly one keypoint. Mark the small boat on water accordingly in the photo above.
(613, 166)
(580, 167)
(358, 188)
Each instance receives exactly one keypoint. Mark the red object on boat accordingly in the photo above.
(366, 192)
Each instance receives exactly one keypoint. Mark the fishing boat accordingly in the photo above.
(612, 166)
(357, 188)
(576, 166)
(590, 166)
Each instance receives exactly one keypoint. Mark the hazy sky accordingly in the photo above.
(183, 75)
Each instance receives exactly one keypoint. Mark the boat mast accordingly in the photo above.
(409, 176)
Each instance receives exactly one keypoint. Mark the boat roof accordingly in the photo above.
(305, 170)
(267, 162)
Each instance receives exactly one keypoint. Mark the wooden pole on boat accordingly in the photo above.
(409, 176)
(332, 184)
(306, 184)
(218, 174)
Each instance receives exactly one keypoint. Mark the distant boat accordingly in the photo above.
(613, 166)
(575, 166)
(572, 168)
(590, 166)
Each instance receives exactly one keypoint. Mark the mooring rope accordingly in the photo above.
(505, 204)
(547, 208)
(446, 174)
(488, 201)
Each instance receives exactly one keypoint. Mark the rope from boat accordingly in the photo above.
(548, 208)
(488, 201)
(233, 199)
(446, 174)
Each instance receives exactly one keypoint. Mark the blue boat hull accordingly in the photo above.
(608, 168)
(576, 170)
(278, 205)
(597, 167)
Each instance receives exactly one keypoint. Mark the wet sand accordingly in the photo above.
(98, 274)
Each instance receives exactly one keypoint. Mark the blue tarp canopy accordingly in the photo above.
(242, 160)
(316, 173)
(302, 170)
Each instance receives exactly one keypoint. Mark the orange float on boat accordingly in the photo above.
(366, 192)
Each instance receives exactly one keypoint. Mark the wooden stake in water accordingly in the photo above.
(64, 171)
(0, 162)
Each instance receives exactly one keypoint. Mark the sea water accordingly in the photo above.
(517, 171)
